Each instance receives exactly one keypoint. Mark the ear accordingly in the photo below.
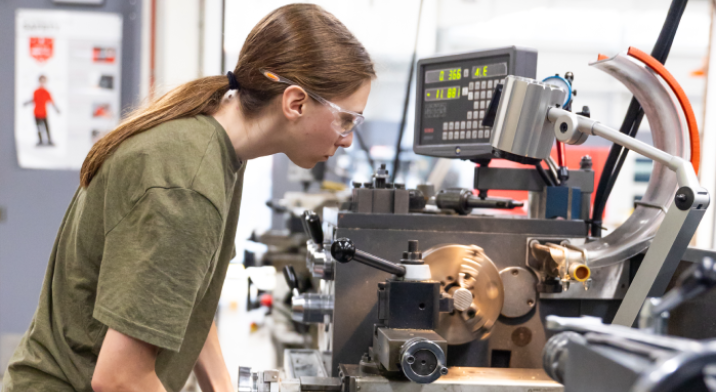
(294, 102)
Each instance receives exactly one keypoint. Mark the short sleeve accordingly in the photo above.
(154, 265)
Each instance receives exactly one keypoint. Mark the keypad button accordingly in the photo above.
(476, 105)
(444, 135)
(484, 84)
(482, 114)
(462, 125)
(482, 104)
(471, 86)
(475, 124)
(482, 94)
(464, 91)
(469, 96)
(465, 73)
(462, 134)
(489, 94)
(445, 126)
(489, 84)
(474, 134)
(469, 115)
(452, 125)
(474, 114)
(450, 135)
(469, 125)
(487, 134)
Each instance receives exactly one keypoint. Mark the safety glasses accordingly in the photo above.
(344, 121)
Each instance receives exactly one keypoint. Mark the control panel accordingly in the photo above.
(453, 96)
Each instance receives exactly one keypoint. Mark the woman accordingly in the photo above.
(137, 268)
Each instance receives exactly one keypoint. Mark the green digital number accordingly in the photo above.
(455, 74)
(442, 75)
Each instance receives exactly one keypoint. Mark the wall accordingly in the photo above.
(34, 201)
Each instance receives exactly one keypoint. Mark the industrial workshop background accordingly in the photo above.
(168, 42)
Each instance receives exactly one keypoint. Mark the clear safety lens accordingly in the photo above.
(345, 123)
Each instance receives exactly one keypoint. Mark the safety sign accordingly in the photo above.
(67, 85)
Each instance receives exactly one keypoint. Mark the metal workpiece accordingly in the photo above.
(312, 308)
(520, 291)
(464, 379)
(521, 132)
(563, 262)
(467, 267)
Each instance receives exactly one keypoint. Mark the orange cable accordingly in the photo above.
(694, 140)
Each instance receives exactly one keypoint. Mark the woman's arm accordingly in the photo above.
(210, 369)
(125, 364)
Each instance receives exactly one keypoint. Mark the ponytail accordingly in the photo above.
(302, 42)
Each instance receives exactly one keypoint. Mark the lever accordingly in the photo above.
(290, 275)
(312, 226)
(344, 251)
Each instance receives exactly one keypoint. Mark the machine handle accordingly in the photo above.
(344, 251)
(290, 275)
(312, 225)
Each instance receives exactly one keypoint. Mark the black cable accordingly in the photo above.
(542, 173)
(406, 104)
(632, 120)
(365, 148)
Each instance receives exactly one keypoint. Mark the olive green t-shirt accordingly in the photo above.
(143, 250)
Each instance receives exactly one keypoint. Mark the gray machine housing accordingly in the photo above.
(521, 62)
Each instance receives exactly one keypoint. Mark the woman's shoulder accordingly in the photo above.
(167, 155)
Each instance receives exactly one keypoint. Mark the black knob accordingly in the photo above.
(585, 112)
(343, 250)
(290, 275)
(313, 226)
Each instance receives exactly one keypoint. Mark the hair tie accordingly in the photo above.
(233, 83)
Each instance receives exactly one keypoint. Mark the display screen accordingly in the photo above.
(442, 93)
(443, 75)
(489, 70)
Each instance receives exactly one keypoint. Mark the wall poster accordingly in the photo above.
(67, 85)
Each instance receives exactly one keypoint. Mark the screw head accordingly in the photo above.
(410, 360)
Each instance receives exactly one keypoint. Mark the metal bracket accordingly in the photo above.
(660, 261)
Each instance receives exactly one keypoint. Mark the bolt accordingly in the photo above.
(410, 360)
(443, 370)
(563, 127)
(586, 163)
(681, 197)
(413, 245)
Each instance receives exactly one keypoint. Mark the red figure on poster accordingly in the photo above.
(40, 98)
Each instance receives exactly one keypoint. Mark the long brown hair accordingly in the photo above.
(302, 42)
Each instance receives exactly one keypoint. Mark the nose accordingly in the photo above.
(345, 141)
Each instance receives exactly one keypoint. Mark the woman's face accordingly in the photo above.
(313, 138)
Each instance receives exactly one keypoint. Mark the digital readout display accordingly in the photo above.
(442, 93)
(443, 75)
(489, 70)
